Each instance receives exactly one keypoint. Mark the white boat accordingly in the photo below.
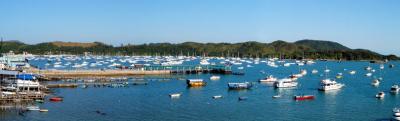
(328, 84)
(217, 96)
(175, 95)
(368, 74)
(276, 96)
(381, 66)
(215, 77)
(285, 83)
(375, 82)
(243, 85)
(269, 79)
(380, 95)
(352, 72)
(314, 71)
(396, 114)
(368, 68)
(32, 108)
(204, 62)
(303, 72)
(395, 89)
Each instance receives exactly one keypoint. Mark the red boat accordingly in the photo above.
(56, 99)
(304, 97)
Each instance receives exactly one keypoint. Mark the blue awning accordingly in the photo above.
(26, 76)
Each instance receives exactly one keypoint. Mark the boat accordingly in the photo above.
(314, 71)
(352, 72)
(380, 95)
(243, 98)
(285, 83)
(204, 62)
(391, 66)
(304, 97)
(44, 110)
(339, 75)
(195, 82)
(32, 108)
(243, 85)
(303, 72)
(396, 114)
(375, 82)
(395, 89)
(328, 84)
(368, 68)
(368, 74)
(56, 99)
(175, 95)
(381, 66)
(217, 96)
(39, 101)
(215, 77)
(276, 96)
(269, 79)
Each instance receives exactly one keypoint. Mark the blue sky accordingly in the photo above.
(369, 24)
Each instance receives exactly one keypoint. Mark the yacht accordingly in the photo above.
(328, 84)
(285, 83)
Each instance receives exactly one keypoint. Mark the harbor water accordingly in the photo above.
(151, 102)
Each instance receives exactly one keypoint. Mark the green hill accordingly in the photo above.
(314, 49)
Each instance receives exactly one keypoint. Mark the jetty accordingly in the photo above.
(148, 70)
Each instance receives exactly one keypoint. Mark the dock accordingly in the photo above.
(148, 70)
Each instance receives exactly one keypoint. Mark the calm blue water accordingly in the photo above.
(356, 101)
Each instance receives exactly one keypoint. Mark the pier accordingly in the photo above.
(147, 70)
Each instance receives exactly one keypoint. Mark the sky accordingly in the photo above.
(368, 24)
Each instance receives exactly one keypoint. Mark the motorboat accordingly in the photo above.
(395, 89)
(175, 95)
(243, 98)
(380, 95)
(269, 79)
(396, 114)
(217, 96)
(56, 99)
(204, 62)
(244, 85)
(44, 110)
(328, 84)
(215, 77)
(195, 82)
(276, 96)
(314, 71)
(304, 97)
(285, 83)
(375, 82)
(32, 108)
(352, 72)
(368, 74)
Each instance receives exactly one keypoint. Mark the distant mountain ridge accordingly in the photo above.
(314, 49)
